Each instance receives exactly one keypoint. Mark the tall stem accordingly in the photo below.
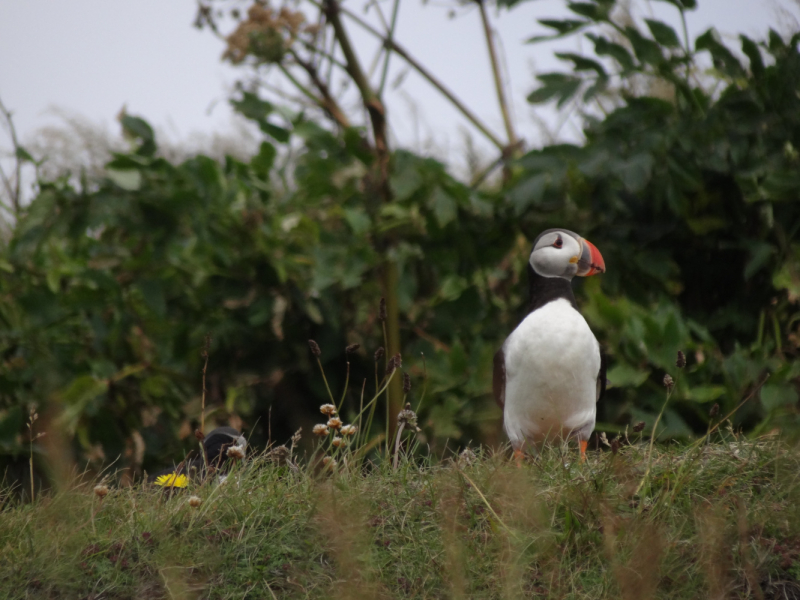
(498, 80)
(391, 278)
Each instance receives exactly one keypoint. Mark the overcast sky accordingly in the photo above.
(91, 57)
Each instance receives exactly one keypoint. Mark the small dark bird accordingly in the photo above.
(222, 446)
(550, 372)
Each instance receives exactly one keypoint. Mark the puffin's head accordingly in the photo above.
(563, 253)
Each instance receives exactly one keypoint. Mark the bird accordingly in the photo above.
(221, 446)
(550, 372)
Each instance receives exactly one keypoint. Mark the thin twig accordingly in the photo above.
(498, 81)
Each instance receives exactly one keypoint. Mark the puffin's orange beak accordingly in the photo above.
(591, 261)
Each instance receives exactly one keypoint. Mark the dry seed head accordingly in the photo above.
(680, 362)
(297, 437)
(408, 417)
(320, 430)
(235, 452)
(379, 353)
(329, 463)
(101, 491)
(406, 383)
(714, 411)
(669, 383)
(638, 427)
(314, 348)
(334, 422)
(352, 348)
(338, 442)
(328, 409)
(382, 310)
(348, 430)
(614, 445)
(199, 435)
(195, 501)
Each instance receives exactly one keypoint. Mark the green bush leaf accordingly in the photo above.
(663, 33)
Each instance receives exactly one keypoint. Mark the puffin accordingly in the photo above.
(550, 372)
(221, 446)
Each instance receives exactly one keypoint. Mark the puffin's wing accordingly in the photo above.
(601, 376)
(499, 377)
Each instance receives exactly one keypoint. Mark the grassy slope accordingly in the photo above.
(716, 521)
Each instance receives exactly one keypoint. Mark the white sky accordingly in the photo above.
(90, 57)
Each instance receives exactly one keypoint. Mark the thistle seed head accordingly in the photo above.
(101, 491)
(328, 409)
(334, 422)
(320, 430)
(195, 501)
(348, 430)
(329, 463)
(338, 442)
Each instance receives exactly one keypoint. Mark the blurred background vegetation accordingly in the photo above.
(688, 181)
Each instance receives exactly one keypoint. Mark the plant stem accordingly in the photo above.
(498, 80)
(397, 445)
(389, 37)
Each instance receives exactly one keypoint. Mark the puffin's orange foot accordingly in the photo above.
(583, 444)
(518, 457)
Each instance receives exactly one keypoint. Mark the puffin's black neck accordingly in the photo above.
(547, 289)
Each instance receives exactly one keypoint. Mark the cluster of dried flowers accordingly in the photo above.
(342, 431)
(266, 34)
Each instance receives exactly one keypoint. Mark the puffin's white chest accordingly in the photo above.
(552, 361)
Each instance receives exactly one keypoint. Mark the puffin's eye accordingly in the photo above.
(558, 243)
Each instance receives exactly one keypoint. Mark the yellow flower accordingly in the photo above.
(172, 480)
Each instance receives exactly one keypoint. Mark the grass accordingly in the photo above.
(718, 521)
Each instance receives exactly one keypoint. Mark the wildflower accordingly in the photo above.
(172, 480)
(406, 383)
(328, 409)
(348, 430)
(382, 310)
(320, 430)
(714, 411)
(379, 353)
(339, 442)
(408, 417)
(235, 452)
(329, 463)
(638, 427)
(195, 501)
(334, 422)
(669, 383)
(352, 348)
(101, 491)
(314, 348)
(681, 360)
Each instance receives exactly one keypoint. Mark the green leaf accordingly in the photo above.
(646, 50)
(129, 179)
(152, 291)
(760, 253)
(581, 63)
(750, 49)
(595, 12)
(358, 220)
(77, 396)
(705, 393)
(776, 395)
(263, 161)
(137, 127)
(444, 207)
(624, 375)
(23, 155)
(724, 60)
(635, 172)
(663, 33)
(562, 27)
(528, 192)
(452, 287)
(604, 47)
(280, 134)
